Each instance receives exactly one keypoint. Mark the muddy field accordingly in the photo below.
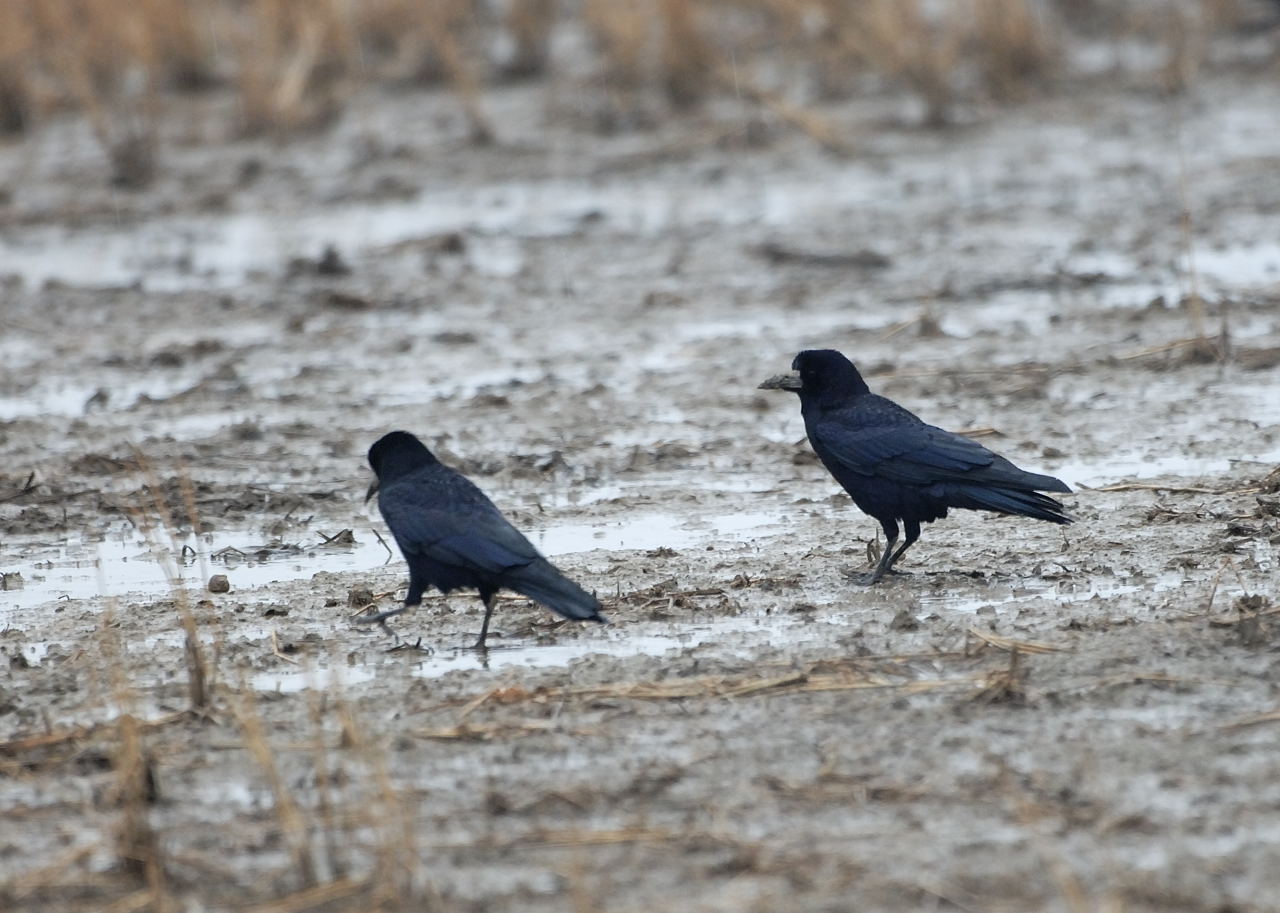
(1075, 719)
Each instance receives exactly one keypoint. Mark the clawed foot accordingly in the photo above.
(380, 619)
(874, 577)
(403, 646)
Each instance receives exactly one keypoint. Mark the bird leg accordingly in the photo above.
(484, 628)
(380, 619)
(882, 566)
(402, 646)
(892, 571)
(912, 530)
(889, 556)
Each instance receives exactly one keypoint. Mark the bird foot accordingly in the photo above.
(380, 619)
(872, 577)
(403, 646)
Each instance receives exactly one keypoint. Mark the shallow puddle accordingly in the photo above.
(721, 636)
(615, 642)
(1065, 592)
(1135, 467)
(651, 531)
(133, 567)
(178, 253)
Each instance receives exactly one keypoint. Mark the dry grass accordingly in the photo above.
(346, 828)
(137, 845)
(322, 820)
(294, 64)
(1013, 47)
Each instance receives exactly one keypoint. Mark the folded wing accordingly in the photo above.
(955, 470)
(480, 540)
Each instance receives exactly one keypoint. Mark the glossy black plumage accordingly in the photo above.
(897, 468)
(453, 537)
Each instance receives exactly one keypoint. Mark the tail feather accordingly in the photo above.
(541, 582)
(1003, 474)
(1045, 483)
(1009, 501)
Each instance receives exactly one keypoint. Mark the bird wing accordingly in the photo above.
(474, 536)
(913, 454)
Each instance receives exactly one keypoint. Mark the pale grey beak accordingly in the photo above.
(782, 382)
(373, 490)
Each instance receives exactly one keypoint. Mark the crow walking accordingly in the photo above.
(897, 468)
(453, 537)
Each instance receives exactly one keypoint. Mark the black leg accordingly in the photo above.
(412, 600)
(886, 557)
(380, 618)
(912, 530)
(484, 628)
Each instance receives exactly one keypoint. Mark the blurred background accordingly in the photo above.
(153, 75)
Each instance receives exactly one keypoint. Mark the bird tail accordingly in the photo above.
(1010, 501)
(541, 582)
(1042, 483)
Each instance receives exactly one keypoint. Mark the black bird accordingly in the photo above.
(897, 468)
(453, 537)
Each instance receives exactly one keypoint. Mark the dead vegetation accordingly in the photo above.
(341, 826)
(295, 64)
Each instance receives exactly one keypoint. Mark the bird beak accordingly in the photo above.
(782, 382)
(373, 490)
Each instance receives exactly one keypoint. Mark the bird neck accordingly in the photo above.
(832, 397)
(395, 465)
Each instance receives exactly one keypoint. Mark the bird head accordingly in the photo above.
(819, 373)
(394, 455)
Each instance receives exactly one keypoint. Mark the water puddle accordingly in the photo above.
(1244, 265)
(651, 531)
(1067, 592)
(1186, 444)
(1139, 467)
(651, 486)
(722, 637)
(178, 253)
(132, 566)
(602, 641)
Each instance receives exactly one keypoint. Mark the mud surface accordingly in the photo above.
(581, 326)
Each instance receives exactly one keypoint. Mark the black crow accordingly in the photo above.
(897, 468)
(453, 537)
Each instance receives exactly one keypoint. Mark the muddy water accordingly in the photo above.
(581, 328)
(136, 567)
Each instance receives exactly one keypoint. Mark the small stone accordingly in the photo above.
(903, 621)
(219, 583)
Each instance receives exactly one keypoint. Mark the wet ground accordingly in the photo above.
(1040, 718)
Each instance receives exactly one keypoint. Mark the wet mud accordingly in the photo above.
(1040, 718)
